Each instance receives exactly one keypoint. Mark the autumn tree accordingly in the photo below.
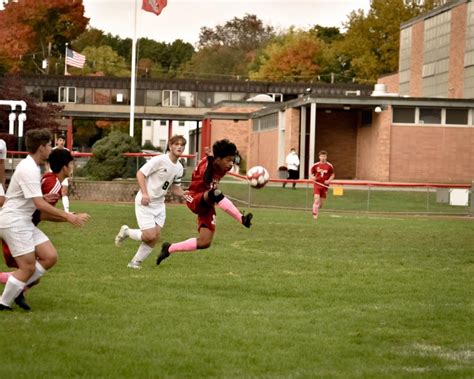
(296, 56)
(32, 31)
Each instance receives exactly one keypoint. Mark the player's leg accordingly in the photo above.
(64, 194)
(206, 227)
(149, 239)
(216, 196)
(316, 204)
(17, 281)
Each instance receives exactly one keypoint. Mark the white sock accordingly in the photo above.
(12, 290)
(39, 272)
(65, 201)
(135, 234)
(142, 253)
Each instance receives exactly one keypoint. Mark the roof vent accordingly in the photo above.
(379, 90)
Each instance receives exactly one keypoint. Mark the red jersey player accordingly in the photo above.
(322, 173)
(202, 197)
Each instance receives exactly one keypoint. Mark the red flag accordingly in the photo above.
(154, 6)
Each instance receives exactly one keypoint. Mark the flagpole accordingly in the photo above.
(133, 75)
(65, 58)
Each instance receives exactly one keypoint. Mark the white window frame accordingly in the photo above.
(66, 91)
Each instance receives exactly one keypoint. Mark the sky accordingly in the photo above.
(183, 19)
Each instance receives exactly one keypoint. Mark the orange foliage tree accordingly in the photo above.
(32, 30)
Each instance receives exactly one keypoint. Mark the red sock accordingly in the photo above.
(188, 245)
(228, 207)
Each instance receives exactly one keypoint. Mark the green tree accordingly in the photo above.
(229, 49)
(296, 56)
(32, 31)
(105, 60)
(108, 162)
(370, 47)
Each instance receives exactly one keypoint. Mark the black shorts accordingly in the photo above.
(293, 174)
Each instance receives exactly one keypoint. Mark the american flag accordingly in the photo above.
(75, 59)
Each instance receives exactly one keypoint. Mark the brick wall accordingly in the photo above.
(336, 132)
(112, 191)
(391, 81)
(456, 53)
(432, 154)
(373, 148)
(236, 131)
(292, 129)
(263, 147)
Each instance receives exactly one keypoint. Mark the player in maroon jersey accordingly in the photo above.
(322, 173)
(61, 163)
(203, 195)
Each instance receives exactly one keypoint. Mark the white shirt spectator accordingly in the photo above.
(292, 161)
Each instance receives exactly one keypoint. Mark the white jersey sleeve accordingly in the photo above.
(3, 149)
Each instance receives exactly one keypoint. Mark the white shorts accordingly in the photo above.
(23, 239)
(151, 215)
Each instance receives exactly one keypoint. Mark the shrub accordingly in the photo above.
(108, 163)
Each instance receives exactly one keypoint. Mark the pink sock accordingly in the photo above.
(188, 245)
(4, 276)
(228, 207)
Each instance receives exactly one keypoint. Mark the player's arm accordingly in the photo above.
(330, 178)
(177, 190)
(47, 209)
(3, 177)
(2, 200)
(141, 179)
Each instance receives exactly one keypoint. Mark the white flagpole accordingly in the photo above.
(132, 78)
(65, 58)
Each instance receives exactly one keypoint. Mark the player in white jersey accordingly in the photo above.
(3, 178)
(33, 251)
(154, 178)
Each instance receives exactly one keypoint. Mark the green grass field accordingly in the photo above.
(349, 296)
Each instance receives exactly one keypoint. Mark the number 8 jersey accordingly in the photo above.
(160, 173)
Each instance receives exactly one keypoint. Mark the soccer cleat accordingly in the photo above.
(121, 236)
(21, 302)
(5, 308)
(135, 265)
(164, 252)
(246, 220)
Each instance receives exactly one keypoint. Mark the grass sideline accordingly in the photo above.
(349, 296)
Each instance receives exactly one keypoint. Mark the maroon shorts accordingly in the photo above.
(320, 190)
(206, 213)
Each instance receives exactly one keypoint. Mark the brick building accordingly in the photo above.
(417, 126)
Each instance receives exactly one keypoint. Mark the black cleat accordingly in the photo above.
(5, 308)
(21, 302)
(164, 252)
(246, 220)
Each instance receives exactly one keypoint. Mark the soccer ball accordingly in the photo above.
(258, 176)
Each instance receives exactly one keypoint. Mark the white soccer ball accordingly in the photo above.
(258, 176)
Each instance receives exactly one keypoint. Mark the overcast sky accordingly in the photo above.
(183, 19)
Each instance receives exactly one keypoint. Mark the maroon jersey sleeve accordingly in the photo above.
(198, 183)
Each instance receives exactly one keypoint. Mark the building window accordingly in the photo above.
(120, 96)
(265, 122)
(67, 94)
(456, 116)
(186, 99)
(163, 123)
(102, 96)
(366, 119)
(430, 116)
(181, 123)
(403, 115)
(205, 99)
(88, 95)
(170, 98)
(50, 94)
